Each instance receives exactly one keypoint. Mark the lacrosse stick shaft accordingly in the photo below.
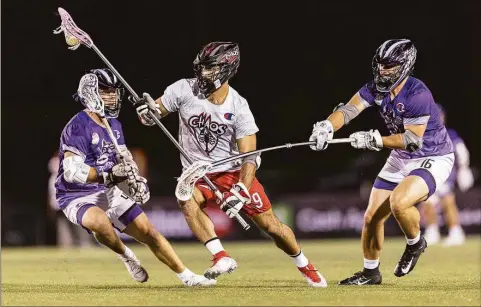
(211, 185)
(116, 73)
(112, 137)
(288, 145)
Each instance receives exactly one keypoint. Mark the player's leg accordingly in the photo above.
(424, 176)
(285, 239)
(377, 212)
(203, 228)
(95, 220)
(412, 190)
(83, 212)
(431, 232)
(143, 231)
(456, 234)
(372, 237)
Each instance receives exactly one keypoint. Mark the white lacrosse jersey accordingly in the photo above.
(209, 132)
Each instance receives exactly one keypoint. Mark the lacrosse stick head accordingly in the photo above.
(88, 94)
(74, 36)
(186, 182)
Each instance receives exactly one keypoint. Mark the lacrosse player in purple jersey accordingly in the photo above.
(445, 197)
(88, 181)
(420, 161)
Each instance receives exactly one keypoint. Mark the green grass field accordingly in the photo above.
(40, 276)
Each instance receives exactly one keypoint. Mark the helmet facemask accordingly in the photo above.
(112, 98)
(385, 76)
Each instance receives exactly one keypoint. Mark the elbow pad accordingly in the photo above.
(411, 141)
(75, 170)
(349, 111)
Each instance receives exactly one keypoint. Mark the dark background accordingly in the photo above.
(298, 60)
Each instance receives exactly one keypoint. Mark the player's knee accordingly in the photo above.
(189, 208)
(271, 224)
(148, 234)
(98, 223)
(398, 202)
(368, 218)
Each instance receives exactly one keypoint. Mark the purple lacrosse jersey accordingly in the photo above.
(414, 105)
(84, 137)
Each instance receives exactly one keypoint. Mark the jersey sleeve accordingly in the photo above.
(368, 94)
(75, 139)
(245, 124)
(418, 109)
(175, 94)
(455, 138)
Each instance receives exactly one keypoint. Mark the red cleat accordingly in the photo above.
(314, 278)
(223, 263)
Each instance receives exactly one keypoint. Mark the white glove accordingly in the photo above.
(465, 178)
(119, 173)
(321, 133)
(138, 190)
(235, 199)
(371, 140)
(146, 103)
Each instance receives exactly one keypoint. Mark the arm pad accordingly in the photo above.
(411, 141)
(349, 111)
(254, 159)
(75, 170)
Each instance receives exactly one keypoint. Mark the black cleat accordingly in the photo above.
(410, 257)
(363, 278)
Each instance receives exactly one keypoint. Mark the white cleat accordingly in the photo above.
(137, 272)
(198, 281)
(454, 240)
(432, 235)
(313, 277)
(222, 264)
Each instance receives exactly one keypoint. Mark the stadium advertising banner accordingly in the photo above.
(310, 215)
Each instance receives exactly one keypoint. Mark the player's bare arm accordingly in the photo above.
(347, 112)
(324, 130)
(248, 169)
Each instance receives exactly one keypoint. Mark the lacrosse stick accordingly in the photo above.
(74, 37)
(88, 92)
(197, 170)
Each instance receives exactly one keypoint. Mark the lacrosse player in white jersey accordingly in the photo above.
(88, 178)
(215, 122)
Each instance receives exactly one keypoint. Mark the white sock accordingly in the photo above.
(456, 230)
(432, 227)
(415, 240)
(214, 246)
(300, 260)
(186, 273)
(371, 264)
(127, 254)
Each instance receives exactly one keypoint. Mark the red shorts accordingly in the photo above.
(224, 181)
